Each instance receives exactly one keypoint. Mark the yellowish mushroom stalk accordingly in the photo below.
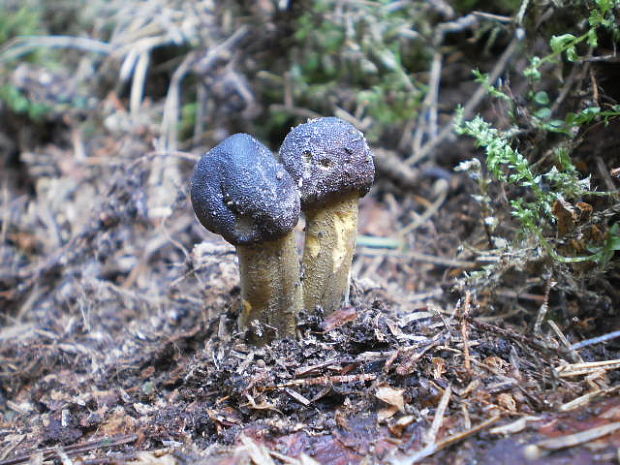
(239, 190)
(270, 289)
(331, 232)
(332, 165)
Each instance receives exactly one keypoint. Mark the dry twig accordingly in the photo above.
(473, 102)
(534, 451)
(586, 368)
(465, 331)
(595, 340)
(49, 453)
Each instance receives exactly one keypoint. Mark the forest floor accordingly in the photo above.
(118, 335)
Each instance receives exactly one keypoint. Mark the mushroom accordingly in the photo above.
(240, 191)
(333, 167)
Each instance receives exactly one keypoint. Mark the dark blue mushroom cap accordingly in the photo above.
(240, 191)
(327, 157)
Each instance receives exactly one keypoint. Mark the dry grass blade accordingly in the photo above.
(465, 331)
(534, 451)
(473, 102)
(419, 257)
(439, 415)
(575, 357)
(258, 453)
(587, 398)
(577, 369)
(202, 66)
(465, 434)
(451, 440)
(443, 188)
(596, 340)
(298, 397)
(431, 436)
(544, 308)
(25, 44)
(73, 450)
(515, 426)
(329, 380)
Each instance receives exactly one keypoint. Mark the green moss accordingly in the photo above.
(358, 59)
(19, 103)
(24, 20)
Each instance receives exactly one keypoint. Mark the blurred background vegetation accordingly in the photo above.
(514, 103)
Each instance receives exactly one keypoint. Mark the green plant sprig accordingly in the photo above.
(601, 17)
(508, 165)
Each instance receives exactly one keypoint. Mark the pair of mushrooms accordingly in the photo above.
(253, 199)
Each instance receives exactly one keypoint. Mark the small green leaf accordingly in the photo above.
(560, 43)
(541, 98)
(533, 70)
(543, 113)
(592, 38)
(571, 54)
(556, 124)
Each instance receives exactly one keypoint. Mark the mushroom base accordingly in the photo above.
(270, 288)
(331, 232)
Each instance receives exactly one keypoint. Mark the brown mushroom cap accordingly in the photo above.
(327, 157)
(240, 191)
